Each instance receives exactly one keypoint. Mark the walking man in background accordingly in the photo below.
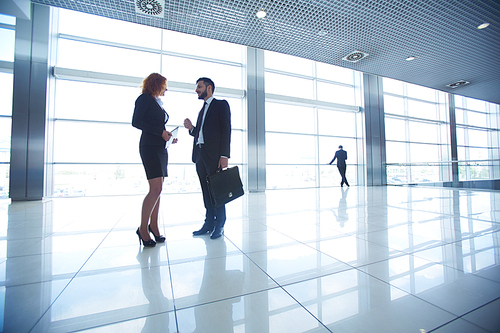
(341, 156)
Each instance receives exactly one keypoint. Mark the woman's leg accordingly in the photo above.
(153, 220)
(155, 187)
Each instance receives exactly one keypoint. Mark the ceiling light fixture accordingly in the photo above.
(322, 32)
(458, 84)
(410, 58)
(484, 25)
(261, 14)
(355, 56)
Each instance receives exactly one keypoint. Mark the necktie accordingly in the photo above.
(199, 122)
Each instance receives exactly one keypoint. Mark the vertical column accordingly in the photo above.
(375, 130)
(256, 120)
(453, 140)
(494, 143)
(31, 72)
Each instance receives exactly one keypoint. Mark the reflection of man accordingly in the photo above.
(342, 216)
(341, 156)
(211, 146)
(217, 283)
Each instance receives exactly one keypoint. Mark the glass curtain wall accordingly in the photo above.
(311, 109)
(99, 66)
(7, 38)
(477, 138)
(417, 134)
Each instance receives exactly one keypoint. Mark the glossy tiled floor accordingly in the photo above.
(377, 259)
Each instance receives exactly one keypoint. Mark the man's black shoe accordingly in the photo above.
(203, 231)
(218, 232)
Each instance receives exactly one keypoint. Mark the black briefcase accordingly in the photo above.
(225, 186)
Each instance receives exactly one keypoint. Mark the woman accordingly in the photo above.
(150, 117)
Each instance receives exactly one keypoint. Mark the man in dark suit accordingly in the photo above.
(211, 147)
(341, 156)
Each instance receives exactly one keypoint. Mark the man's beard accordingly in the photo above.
(203, 95)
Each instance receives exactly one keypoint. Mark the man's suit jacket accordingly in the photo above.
(150, 118)
(216, 130)
(341, 156)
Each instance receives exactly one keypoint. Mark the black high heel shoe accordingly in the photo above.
(149, 243)
(159, 239)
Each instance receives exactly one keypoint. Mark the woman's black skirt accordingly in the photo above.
(155, 160)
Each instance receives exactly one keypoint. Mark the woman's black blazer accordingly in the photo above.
(151, 119)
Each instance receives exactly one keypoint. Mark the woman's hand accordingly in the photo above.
(175, 141)
(166, 135)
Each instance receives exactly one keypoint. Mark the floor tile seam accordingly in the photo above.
(257, 265)
(486, 232)
(224, 299)
(340, 235)
(81, 232)
(24, 250)
(293, 241)
(71, 280)
(327, 274)
(467, 234)
(107, 315)
(398, 254)
(484, 277)
(305, 308)
(95, 326)
(43, 254)
(252, 293)
(479, 307)
(458, 241)
(453, 320)
(203, 258)
(317, 277)
(391, 249)
(95, 272)
(426, 301)
(449, 266)
(465, 314)
(443, 214)
(409, 293)
(412, 250)
(67, 276)
(326, 254)
(171, 284)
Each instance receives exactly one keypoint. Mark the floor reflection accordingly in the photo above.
(219, 316)
(149, 258)
(341, 215)
(358, 259)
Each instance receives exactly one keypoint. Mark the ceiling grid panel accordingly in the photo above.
(442, 35)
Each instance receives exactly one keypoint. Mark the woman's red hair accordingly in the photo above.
(153, 84)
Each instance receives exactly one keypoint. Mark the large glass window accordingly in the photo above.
(7, 38)
(310, 111)
(92, 149)
(477, 138)
(416, 132)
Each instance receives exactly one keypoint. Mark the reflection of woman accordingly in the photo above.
(151, 286)
(150, 117)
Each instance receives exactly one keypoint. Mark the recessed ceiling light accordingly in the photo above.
(410, 58)
(355, 56)
(484, 25)
(458, 84)
(261, 14)
(322, 32)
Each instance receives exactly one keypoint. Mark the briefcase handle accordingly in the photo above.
(220, 169)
